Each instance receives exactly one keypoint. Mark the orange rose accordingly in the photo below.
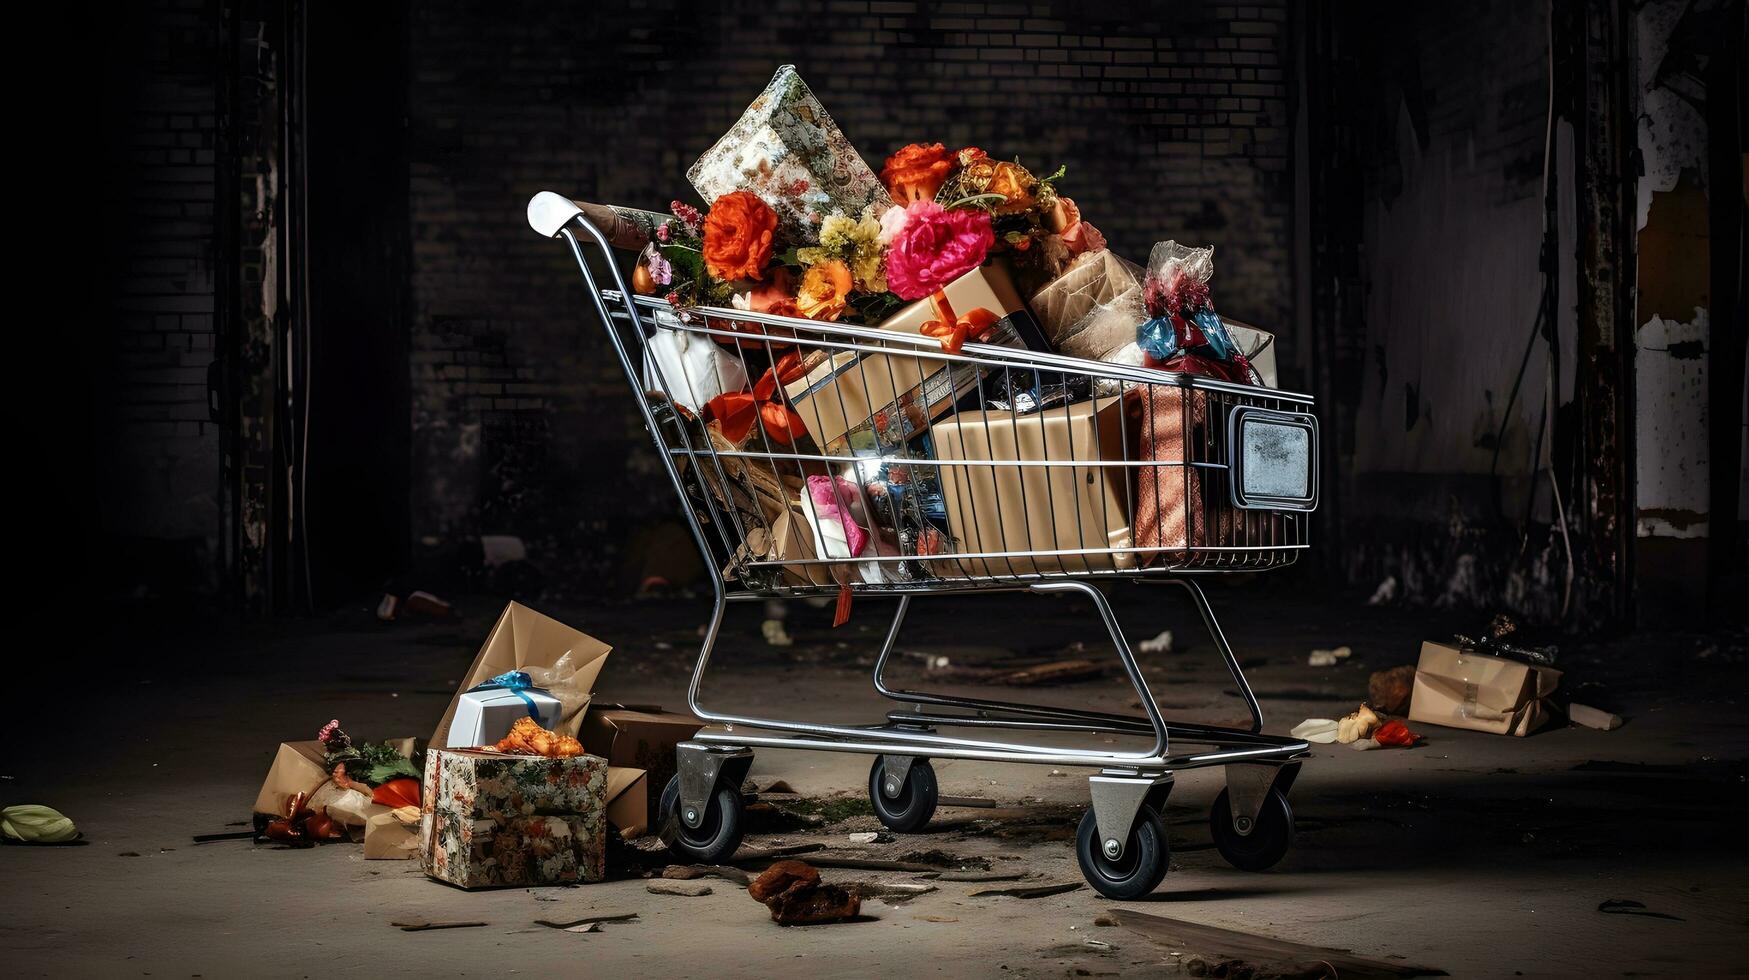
(825, 290)
(737, 236)
(916, 172)
(1011, 180)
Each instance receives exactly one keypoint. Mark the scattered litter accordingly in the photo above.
(1389, 691)
(426, 604)
(1356, 725)
(1627, 906)
(1584, 714)
(1029, 891)
(33, 823)
(792, 890)
(1105, 920)
(863, 864)
(749, 854)
(975, 802)
(1395, 734)
(939, 918)
(688, 872)
(1328, 658)
(1365, 744)
(871, 837)
(930, 661)
(1160, 643)
(1055, 672)
(983, 875)
(1056, 772)
(387, 607)
(1321, 730)
(685, 889)
(1230, 949)
(889, 889)
(416, 925)
(1098, 944)
(228, 835)
(775, 634)
(576, 925)
(1385, 593)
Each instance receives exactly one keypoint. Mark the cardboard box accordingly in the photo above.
(494, 820)
(484, 717)
(1465, 689)
(392, 835)
(642, 739)
(1036, 508)
(628, 801)
(301, 767)
(788, 538)
(845, 391)
(787, 150)
(526, 640)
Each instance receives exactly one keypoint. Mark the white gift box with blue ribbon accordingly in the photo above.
(485, 713)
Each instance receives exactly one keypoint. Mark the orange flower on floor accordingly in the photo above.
(825, 290)
(737, 236)
(916, 172)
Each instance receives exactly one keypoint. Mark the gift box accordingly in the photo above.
(558, 659)
(489, 819)
(639, 739)
(787, 150)
(1036, 508)
(1092, 309)
(1461, 688)
(906, 391)
(485, 713)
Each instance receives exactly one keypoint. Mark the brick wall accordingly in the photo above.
(157, 470)
(1174, 121)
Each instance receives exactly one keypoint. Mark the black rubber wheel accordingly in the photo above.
(1136, 872)
(1270, 835)
(915, 804)
(714, 840)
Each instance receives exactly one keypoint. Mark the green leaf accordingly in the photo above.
(1061, 170)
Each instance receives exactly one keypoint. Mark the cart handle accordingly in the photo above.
(627, 228)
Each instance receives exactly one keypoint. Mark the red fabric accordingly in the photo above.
(1394, 733)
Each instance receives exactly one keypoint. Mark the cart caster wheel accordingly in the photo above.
(1270, 835)
(715, 838)
(915, 804)
(1134, 873)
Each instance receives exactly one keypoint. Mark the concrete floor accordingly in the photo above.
(1478, 855)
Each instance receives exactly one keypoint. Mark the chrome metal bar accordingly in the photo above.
(865, 745)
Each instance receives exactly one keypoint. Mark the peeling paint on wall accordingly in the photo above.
(1672, 132)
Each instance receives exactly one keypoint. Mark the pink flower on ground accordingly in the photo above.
(935, 247)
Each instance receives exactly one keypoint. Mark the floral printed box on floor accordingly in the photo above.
(491, 820)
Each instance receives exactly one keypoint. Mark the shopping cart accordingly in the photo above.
(987, 470)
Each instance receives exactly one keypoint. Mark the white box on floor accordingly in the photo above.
(482, 717)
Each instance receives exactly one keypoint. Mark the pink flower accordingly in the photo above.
(936, 246)
(1078, 236)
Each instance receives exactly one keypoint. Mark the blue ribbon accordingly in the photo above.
(517, 683)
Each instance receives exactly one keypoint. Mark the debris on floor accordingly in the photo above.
(871, 837)
(685, 889)
(574, 925)
(890, 890)
(1028, 891)
(32, 823)
(1386, 592)
(427, 605)
(1388, 690)
(1320, 730)
(1627, 906)
(1328, 658)
(792, 890)
(1161, 642)
(688, 872)
(420, 925)
(1357, 725)
(775, 634)
(1584, 714)
(1227, 952)
(1484, 688)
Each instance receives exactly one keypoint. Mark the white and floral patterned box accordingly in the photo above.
(492, 820)
(787, 150)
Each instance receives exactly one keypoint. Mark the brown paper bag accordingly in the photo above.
(524, 639)
(1466, 689)
(301, 767)
(1035, 508)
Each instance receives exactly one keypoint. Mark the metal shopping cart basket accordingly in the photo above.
(995, 468)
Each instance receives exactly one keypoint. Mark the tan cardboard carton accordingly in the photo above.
(845, 390)
(628, 801)
(1465, 689)
(994, 508)
(526, 640)
(392, 835)
(642, 739)
(788, 539)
